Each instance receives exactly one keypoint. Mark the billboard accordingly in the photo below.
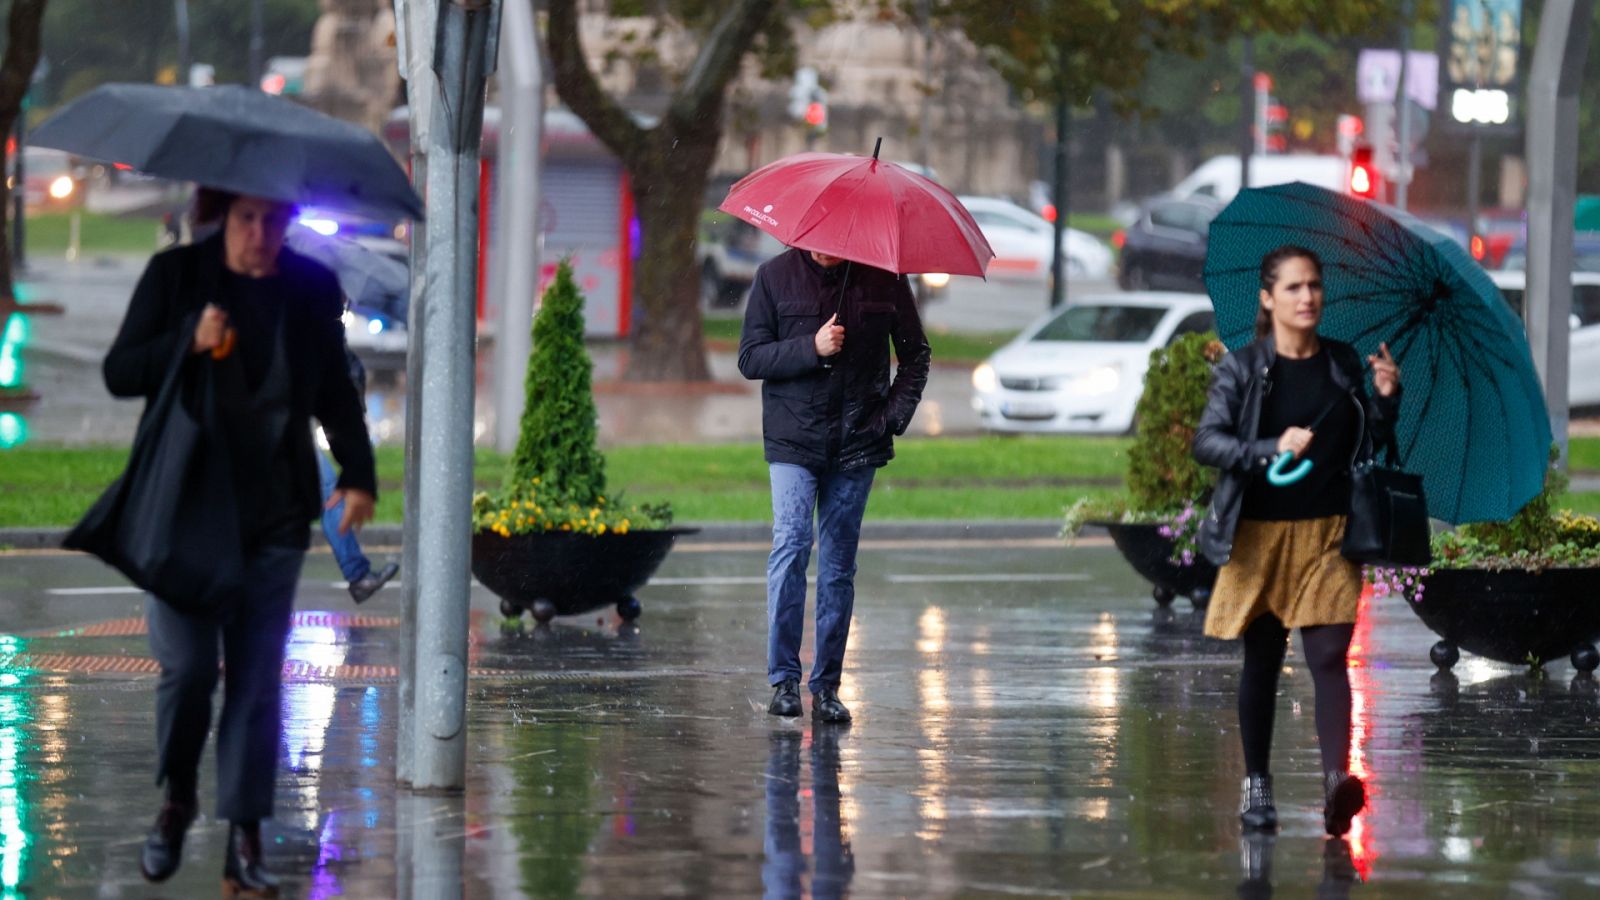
(1479, 44)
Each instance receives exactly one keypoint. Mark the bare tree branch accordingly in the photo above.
(581, 90)
(720, 54)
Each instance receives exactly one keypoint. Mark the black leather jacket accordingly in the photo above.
(844, 416)
(1225, 438)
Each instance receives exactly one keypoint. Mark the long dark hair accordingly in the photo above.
(1269, 277)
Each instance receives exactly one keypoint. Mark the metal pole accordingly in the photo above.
(414, 39)
(1552, 148)
(514, 256)
(463, 51)
(257, 43)
(1058, 262)
(184, 62)
(1402, 108)
(1474, 179)
(1247, 113)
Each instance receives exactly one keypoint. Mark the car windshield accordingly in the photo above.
(1108, 324)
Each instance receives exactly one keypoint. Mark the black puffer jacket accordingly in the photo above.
(1226, 437)
(843, 417)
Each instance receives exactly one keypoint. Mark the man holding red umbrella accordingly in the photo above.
(817, 331)
(829, 413)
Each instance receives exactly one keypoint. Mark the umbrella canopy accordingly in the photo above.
(236, 139)
(371, 281)
(1473, 421)
(864, 210)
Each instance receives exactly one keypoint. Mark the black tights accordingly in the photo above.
(1325, 646)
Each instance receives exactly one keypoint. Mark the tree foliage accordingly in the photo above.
(1070, 49)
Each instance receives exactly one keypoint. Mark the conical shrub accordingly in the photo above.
(557, 445)
(1162, 472)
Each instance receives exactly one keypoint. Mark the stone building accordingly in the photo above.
(351, 71)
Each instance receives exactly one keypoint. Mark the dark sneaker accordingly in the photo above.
(1346, 796)
(786, 699)
(163, 846)
(1256, 811)
(826, 707)
(368, 584)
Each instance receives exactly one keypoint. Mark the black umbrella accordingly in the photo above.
(236, 139)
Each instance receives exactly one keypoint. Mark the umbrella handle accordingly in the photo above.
(1279, 478)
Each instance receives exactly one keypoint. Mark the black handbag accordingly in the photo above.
(170, 523)
(1388, 521)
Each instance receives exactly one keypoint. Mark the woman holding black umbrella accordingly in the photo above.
(1292, 392)
(256, 334)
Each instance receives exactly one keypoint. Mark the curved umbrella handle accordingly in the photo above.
(1279, 478)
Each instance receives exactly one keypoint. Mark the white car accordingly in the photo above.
(1081, 368)
(1022, 243)
(1583, 373)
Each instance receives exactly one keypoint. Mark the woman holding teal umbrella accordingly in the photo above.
(1290, 396)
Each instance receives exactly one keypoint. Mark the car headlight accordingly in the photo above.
(935, 280)
(984, 379)
(62, 187)
(1096, 381)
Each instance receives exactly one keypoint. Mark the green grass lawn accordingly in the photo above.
(955, 347)
(99, 235)
(931, 478)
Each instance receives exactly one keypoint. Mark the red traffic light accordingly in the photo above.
(1049, 212)
(816, 114)
(1363, 174)
(1479, 248)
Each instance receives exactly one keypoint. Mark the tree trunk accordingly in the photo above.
(669, 192)
(16, 74)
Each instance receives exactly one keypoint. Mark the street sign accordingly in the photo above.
(1378, 75)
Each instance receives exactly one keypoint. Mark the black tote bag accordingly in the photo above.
(1388, 521)
(170, 523)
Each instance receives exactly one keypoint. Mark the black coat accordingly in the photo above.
(179, 282)
(1226, 437)
(846, 416)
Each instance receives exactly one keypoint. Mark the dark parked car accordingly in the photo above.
(1165, 248)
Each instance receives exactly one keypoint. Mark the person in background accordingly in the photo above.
(362, 579)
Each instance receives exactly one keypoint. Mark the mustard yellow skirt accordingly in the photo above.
(1290, 569)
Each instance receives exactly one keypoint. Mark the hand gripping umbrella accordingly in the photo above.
(236, 139)
(1473, 421)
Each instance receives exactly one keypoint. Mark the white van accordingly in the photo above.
(1218, 176)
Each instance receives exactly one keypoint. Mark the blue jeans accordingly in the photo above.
(838, 500)
(346, 549)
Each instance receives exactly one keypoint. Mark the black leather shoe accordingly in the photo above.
(368, 584)
(785, 699)
(245, 874)
(163, 846)
(1346, 796)
(1256, 812)
(825, 707)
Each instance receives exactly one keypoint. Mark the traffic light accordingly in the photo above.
(1364, 178)
(13, 337)
(817, 115)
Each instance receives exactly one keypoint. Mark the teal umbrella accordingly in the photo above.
(1473, 422)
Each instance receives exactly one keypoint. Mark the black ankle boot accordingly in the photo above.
(245, 874)
(1346, 796)
(1256, 811)
(163, 846)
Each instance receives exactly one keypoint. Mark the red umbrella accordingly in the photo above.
(864, 210)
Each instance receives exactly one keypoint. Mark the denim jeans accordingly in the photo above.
(346, 549)
(838, 500)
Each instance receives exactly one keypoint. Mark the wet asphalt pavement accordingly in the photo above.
(1028, 724)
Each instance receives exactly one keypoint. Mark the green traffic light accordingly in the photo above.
(13, 338)
(13, 430)
(18, 330)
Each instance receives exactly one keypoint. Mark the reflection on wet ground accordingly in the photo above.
(1032, 726)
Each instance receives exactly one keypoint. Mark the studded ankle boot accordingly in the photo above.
(1256, 811)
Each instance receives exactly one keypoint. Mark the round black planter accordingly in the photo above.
(560, 573)
(1150, 554)
(1512, 616)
